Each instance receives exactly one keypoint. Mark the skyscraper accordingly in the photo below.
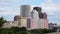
(34, 19)
(29, 23)
(45, 15)
(42, 21)
(34, 14)
(38, 9)
(25, 11)
(41, 15)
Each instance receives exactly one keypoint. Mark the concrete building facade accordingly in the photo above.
(34, 19)
(23, 21)
(43, 23)
(25, 10)
(10, 24)
(39, 19)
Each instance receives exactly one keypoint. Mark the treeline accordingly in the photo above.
(42, 31)
(22, 30)
(13, 30)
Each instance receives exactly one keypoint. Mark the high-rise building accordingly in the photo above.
(34, 14)
(41, 15)
(25, 10)
(43, 23)
(45, 15)
(34, 19)
(42, 19)
(28, 24)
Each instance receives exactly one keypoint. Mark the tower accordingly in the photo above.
(34, 19)
(25, 11)
(45, 15)
(38, 9)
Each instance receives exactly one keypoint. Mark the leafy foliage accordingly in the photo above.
(13, 30)
(2, 21)
(22, 30)
(41, 31)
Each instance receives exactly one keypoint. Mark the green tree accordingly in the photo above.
(22, 29)
(23, 32)
(2, 21)
(15, 29)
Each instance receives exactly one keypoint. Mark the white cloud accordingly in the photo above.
(9, 10)
(50, 7)
(8, 0)
(6, 8)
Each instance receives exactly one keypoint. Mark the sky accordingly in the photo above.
(10, 8)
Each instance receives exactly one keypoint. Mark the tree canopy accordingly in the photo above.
(2, 21)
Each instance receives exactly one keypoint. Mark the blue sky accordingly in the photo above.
(10, 8)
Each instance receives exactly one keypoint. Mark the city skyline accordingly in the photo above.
(10, 8)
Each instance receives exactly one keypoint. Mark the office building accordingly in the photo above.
(10, 24)
(28, 24)
(23, 21)
(38, 9)
(41, 15)
(34, 14)
(43, 23)
(45, 15)
(39, 19)
(34, 19)
(25, 10)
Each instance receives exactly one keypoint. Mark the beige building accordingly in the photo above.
(10, 24)
(23, 21)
